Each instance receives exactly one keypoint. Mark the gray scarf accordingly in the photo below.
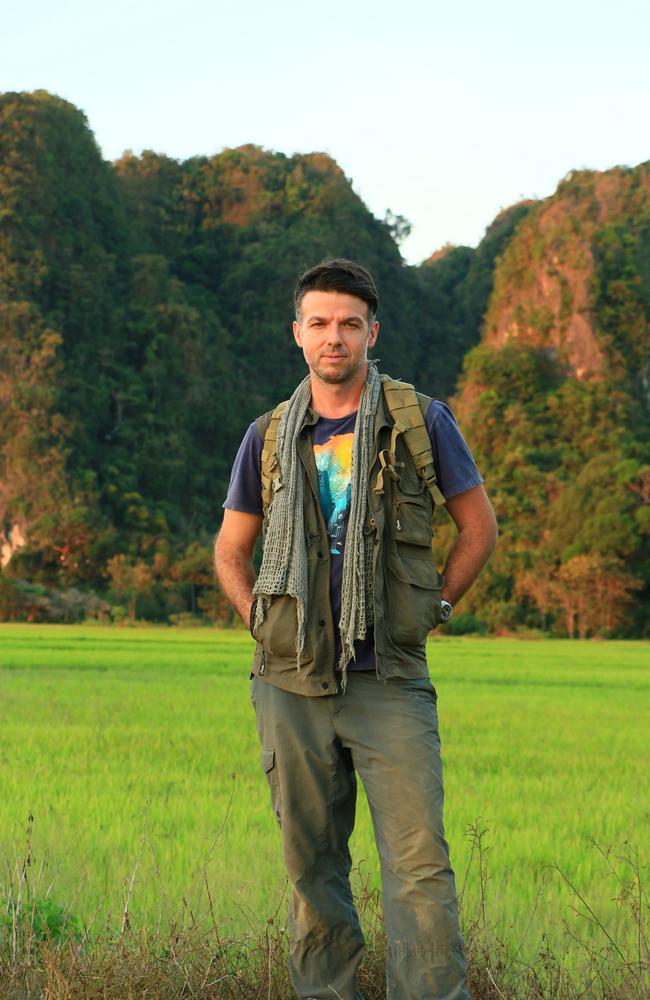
(284, 563)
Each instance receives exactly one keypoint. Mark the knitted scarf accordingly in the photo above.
(284, 562)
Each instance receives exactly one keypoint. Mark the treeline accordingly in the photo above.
(145, 311)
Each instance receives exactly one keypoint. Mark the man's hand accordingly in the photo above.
(477, 535)
(233, 559)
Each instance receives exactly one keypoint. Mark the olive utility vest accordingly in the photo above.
(407, 585)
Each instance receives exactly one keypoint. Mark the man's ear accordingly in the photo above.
(296, 333)
(373, 334)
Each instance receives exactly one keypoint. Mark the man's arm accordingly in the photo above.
(477, 535)
(233, 558)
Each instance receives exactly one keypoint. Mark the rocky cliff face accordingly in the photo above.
(546, 283)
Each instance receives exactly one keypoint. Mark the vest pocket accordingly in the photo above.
(413, 598)
(411, 519)
(277, 633)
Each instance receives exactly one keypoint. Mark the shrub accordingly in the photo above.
(42, 920)
(466, 623)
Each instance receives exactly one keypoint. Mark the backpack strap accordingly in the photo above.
(408, 420)
(269, 460)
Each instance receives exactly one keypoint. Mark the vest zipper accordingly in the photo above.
(262, 664)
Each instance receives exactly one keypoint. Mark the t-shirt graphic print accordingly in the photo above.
(334, 464)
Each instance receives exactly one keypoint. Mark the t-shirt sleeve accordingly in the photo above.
(245, 489)
(456, 470)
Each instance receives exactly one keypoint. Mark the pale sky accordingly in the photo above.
(443, 112)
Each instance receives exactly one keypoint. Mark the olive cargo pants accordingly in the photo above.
(311, 748)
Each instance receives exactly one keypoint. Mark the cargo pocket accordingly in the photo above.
(414, 587)
(271, 772)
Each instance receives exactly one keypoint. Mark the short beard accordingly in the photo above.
(340, 377)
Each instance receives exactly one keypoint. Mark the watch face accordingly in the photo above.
(445, 611)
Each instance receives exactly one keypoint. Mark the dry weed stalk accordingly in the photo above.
(196, 961)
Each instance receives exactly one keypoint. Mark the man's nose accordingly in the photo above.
(334, 334)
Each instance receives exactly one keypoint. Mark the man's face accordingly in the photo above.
(335, 335)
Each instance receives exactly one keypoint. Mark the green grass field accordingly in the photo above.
(136, 750)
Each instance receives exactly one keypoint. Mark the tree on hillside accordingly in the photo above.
(130, 580)
(593, 593)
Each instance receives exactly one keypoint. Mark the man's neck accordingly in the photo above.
(337, 399)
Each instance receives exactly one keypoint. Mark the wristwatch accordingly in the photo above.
(446, 611)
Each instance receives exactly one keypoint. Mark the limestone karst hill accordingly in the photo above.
(556, 403)
(145, 320)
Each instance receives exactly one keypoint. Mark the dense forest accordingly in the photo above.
(145, 310)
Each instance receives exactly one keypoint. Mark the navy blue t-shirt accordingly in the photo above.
(332, 439)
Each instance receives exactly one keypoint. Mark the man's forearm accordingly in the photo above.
(236, 576)
(467, 558)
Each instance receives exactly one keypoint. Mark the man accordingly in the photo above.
(345, 598)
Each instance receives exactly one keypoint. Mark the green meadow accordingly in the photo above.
(136, 754)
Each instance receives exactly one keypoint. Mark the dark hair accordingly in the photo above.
(338, 275)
